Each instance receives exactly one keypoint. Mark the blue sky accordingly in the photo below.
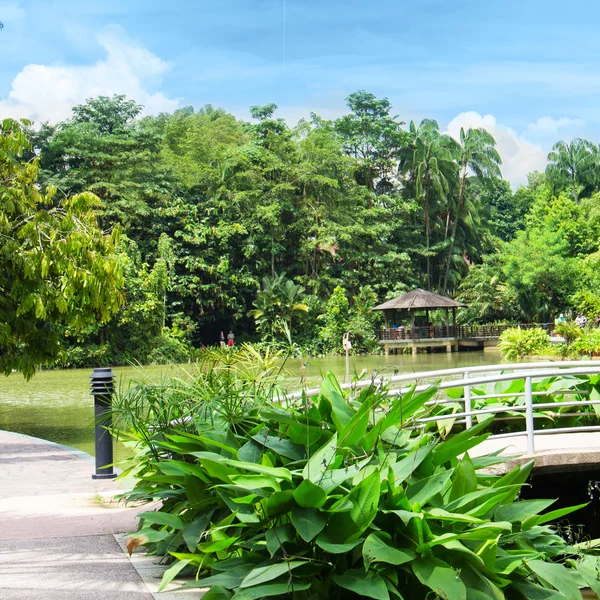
(529, 70)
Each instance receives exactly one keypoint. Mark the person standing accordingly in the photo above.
(230, 339)
(221, 339)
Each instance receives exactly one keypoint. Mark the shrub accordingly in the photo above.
(340, 499)
(517, 343)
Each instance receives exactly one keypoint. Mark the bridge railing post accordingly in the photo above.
(468, 407)
(529, 424)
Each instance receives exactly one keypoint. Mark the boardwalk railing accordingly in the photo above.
(452, 332)
(475, 386)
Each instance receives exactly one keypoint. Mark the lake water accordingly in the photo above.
(57, 406)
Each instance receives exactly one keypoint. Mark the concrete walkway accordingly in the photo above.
(554, 452)
(60, 529)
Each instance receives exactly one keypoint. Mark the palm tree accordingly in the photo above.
(275, 305)
(478, 155)
(429, 162)
(572, 165)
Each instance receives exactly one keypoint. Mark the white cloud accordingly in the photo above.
(47, 93)
(519, 155)
(548, 125)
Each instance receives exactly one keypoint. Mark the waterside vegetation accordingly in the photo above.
(336, 496)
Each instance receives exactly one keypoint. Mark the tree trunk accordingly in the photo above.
(461, 199)
(427, 226)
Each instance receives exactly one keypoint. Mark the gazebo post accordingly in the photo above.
(447, 322)
(385, 316)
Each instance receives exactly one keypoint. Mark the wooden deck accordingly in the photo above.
(453, 338)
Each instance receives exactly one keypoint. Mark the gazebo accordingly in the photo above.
(419, 300)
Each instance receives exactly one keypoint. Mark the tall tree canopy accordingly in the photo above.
(56, 266)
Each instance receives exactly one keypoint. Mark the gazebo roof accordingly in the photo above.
(419, 299)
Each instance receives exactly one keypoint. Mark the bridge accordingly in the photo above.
(548, 411)
(449, 337)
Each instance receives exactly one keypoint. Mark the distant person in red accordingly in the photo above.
(230, 338)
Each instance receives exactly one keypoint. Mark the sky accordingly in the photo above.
(526, 70)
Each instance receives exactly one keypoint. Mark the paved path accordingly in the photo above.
(58, 528)
(553, 452)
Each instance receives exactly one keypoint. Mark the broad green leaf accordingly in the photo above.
(465, 479)
(278, 472)
(192, 532)
(309, 495)
(217, 593)
(558, 576)
(282, 447)
(356, 427)
(171, 573)
(278, 536)
(587, 567)
(266, 590)
(326, 544)
(440, 577)
(460, 443)
(341, 413)
(370, 585)
(278, 503)
(263, 574)
(443, 515)
(519, 511)
(533, 591)
(377, 549)
(230, 578)
(365, 498)
(404, 468)
(250, 452)
(152, 536)
(412, 402)
(217, 545)
(255, 482)
(162, 518)
(406, 515)
(309, 522)
(422, 491)
(320, 460)
(553, 515)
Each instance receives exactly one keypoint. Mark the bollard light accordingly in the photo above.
(102, 390)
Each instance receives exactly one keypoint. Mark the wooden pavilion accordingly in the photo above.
(419, 335)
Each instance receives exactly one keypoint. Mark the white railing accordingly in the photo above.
(529, 372)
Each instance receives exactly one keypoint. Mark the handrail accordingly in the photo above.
(424, 332)
(526, 371)
(441, 374)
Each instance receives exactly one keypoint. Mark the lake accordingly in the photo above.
(57, 406)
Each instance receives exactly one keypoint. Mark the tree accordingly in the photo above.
(104, 150)
(429, 162)
(57, 266)
(373, 137)
(275, 306)
(571, 166)
(478, 156)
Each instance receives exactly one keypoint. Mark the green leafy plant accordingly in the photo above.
(517, 343)
(341, 497)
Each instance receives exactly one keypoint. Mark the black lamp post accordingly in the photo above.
(102, 389)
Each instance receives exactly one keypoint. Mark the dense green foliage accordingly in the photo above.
(333, 498)
(59, 270)
(257, 213)
(517, 343)
(251, 226)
